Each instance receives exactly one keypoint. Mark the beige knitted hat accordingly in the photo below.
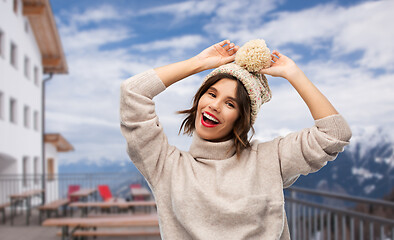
(249, 60)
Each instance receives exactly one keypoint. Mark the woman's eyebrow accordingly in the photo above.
(212, 88)
(233, 99)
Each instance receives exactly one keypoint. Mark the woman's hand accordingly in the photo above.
(217, 54)
(282, 66)
(317, 103)
(212, 57)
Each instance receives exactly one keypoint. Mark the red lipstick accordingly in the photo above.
(206, 124)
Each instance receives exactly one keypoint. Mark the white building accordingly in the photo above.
(30, 47)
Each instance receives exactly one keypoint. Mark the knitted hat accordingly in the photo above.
(249, 60)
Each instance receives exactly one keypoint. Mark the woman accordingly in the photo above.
(225, 187)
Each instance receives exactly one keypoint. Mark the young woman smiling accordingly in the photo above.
(225, 186)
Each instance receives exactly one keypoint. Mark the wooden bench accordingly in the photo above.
(115, 233)
(119, 205)
(83, 226)
(125, 233)
(3, 206)
(53, 207)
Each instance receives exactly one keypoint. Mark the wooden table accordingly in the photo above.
(53, 206)
(26, 197)
(140, 192)
(83, 194)
(110, 221)
(119, 204)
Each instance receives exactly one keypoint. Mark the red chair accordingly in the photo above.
(71, 189)
(105, 192)
(137, 185)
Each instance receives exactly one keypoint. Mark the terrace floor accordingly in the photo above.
(34, 231)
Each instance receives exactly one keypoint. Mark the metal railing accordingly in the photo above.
(312, 216)
(57, 185)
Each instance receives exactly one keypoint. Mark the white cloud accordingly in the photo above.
(235, 20)
(177, 44)
(65, 122)
(95, 14)
(340, 31)
(362, 96)
(99, 14)
(182, 10)
(75, 36)
(91, 39)
(366, 28)
(226, 17)
(307, 27)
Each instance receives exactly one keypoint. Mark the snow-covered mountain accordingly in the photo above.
(365, 168)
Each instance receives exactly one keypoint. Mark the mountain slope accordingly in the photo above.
(365, 168)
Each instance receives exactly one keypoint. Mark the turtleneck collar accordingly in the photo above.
(204, 149)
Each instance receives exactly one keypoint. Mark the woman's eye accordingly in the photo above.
(231, 105)
(212, 94)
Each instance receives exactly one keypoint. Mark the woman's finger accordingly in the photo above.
(224, 42)
(273, 58)
(276, 53)
(229, 46)
(233, 50)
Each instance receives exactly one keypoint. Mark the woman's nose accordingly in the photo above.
(215, 106)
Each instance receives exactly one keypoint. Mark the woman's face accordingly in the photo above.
(217, 111)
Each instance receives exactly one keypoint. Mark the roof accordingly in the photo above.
(62, 145)
(42, 21)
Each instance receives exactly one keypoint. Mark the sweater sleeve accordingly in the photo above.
(309, 150)
(147, 144)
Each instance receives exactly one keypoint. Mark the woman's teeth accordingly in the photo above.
(210, 117)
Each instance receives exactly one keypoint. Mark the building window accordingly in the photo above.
(26, 116)
(15, 6)
(27, 67)
(36, 121)
(25, 163)
(1, 105)
(35, 169)
(51, 169)
(36, 76)
(26, 26)
(1, 43)
(13, 57)
(13, 110)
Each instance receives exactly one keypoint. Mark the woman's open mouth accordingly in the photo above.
(208, 120)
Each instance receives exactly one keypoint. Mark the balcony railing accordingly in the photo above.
(311, 214)
(56, 185)
(322, 215)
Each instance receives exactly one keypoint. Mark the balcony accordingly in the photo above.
(312, 215)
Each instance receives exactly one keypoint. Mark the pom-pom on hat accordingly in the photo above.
(254, 56)
(249, 60)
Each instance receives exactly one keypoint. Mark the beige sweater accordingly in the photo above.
(207, 193)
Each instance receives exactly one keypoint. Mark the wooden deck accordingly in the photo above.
(36, 232)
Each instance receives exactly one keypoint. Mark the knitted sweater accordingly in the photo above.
(207, 193)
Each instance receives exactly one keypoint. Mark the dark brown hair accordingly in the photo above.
(241, 126)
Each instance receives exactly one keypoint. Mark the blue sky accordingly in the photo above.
(345, 47)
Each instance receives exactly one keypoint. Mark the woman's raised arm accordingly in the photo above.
(212, 57)
(318, 104)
